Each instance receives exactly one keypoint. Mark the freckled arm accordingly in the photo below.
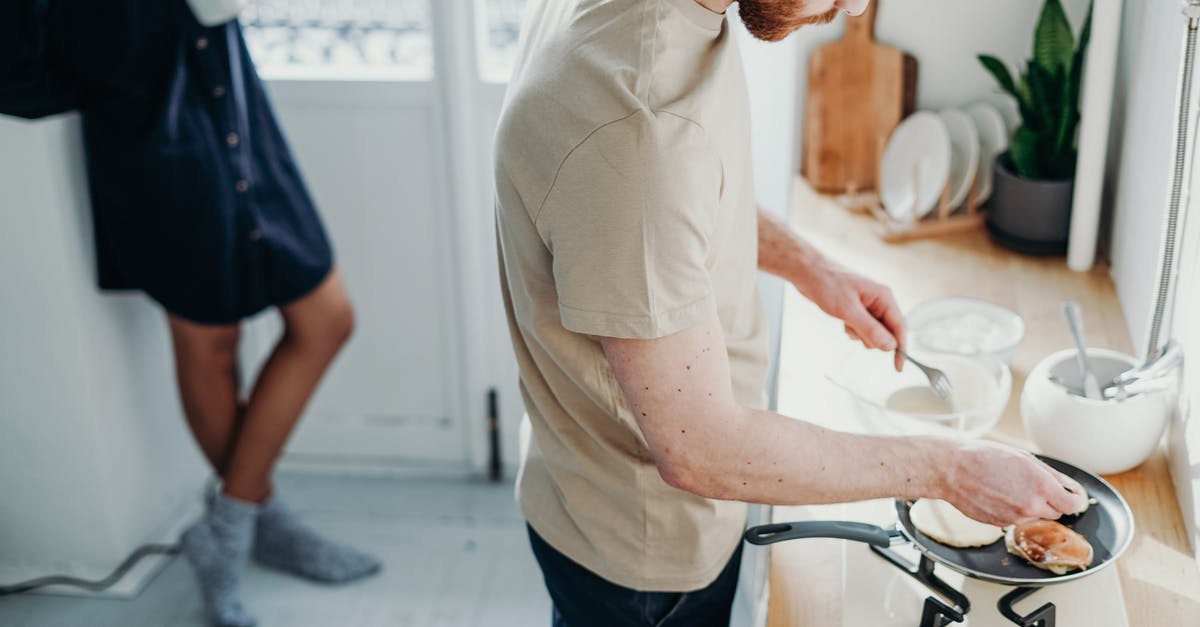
(703, 441)
(783, 253)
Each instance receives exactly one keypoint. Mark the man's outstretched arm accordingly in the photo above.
(704, 442)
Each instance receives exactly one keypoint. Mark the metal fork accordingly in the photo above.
(937, 379)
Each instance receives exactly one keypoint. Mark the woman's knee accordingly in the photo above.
(329, 328)
(340, 325)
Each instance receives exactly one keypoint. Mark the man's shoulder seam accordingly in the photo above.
(561, 164)
(554, 181)
(682, 117)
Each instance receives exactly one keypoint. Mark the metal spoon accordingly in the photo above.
(1091, 388)
(937, 379)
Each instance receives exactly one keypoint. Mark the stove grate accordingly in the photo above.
(938, 613)
(1044, 616)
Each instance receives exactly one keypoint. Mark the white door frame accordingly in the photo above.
(472, 107)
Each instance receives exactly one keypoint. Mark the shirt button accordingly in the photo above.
(231, 139)
(242, 186)
(201, 43)
(254, 235)
(218, 91)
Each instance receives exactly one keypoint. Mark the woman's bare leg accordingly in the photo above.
(217, 545)
(315, 328)
(207, 375)
(244, 450)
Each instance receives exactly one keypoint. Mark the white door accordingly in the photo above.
(360, 89)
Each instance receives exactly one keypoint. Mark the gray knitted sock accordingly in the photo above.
(217, 547)
(282, 542)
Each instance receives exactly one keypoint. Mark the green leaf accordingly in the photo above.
(1063, 165)
(1029, 112)
(1025, 153)
(1068, 120)
(1053, 44)
(1046, 95)
(1000, 72)
(1064, 140)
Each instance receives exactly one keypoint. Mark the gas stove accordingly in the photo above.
(902, 598)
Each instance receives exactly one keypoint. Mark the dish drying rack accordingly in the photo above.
(943, 220)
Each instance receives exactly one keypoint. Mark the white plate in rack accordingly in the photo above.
(915, 166)
(964, 154)
(993, 140)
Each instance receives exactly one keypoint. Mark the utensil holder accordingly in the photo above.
(1104, 436)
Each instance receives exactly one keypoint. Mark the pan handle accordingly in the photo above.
(859, 532)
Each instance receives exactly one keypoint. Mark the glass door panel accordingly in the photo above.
(498, 25)
(341, 39)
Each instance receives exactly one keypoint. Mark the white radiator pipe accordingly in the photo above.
(1096, 108)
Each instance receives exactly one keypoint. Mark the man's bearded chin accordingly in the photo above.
(772, 20)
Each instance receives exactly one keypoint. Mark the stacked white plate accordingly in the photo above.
(928, 153)
(993, 140)
(915, 167)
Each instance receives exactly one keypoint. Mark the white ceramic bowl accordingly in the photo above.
(1105, 437)
(965, 326)
(902, 402)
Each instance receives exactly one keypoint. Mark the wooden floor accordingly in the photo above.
(455, 553)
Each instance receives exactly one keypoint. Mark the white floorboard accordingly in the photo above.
(455, 552)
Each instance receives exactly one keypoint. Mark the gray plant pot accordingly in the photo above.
(1030, 216)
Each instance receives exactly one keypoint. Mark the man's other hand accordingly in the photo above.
(867, 309)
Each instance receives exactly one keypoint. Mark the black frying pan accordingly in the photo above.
(1107, 524)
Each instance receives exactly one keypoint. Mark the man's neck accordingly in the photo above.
(716, 6)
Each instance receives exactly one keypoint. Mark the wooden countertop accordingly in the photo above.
(1159, 576)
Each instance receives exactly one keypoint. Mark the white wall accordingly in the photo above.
(94, 456)
(1141, 154)
(945, 36)
(1140, 165)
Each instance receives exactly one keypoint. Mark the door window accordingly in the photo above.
(341, 39)
(498, 26)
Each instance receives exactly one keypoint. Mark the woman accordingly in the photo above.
(198, 203)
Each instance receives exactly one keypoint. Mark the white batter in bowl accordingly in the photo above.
(903, 403)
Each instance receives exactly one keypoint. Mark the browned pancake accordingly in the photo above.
(1050, 545)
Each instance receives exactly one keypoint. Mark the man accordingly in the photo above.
(630, 241)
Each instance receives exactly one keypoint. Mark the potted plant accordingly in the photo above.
(1030, 209)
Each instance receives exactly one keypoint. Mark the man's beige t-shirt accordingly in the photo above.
(625, 209)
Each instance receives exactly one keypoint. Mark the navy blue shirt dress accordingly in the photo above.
(196, 198)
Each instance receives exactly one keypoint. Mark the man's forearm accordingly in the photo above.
(868, 309)
(703, 441)
(782, 461)
(783, 253)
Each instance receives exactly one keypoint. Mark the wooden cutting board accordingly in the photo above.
(858, 91)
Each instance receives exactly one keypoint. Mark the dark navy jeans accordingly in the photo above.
(583, 599)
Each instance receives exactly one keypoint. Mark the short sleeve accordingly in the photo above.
(628, 223)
